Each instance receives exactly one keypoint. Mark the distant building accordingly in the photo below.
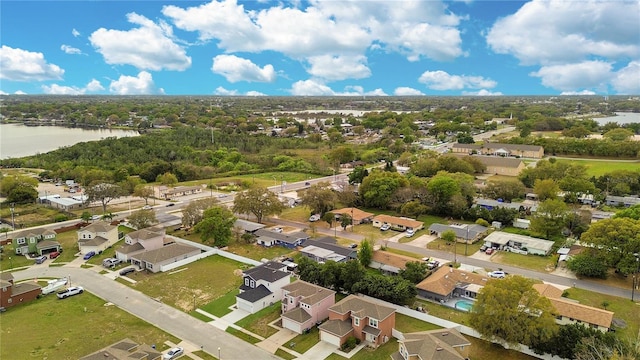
(502, 150)
(397, 223)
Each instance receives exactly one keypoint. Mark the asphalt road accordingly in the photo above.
(144, 307)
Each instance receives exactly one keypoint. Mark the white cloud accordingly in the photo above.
(559, 31)
(627, 80)
(583, 92)
(20, 92)
(255, 93)
(441, 80)
(327, 33)
(407, 91)
(482, 92)
(224, 92)
(75, 33)
(70, 50)
(3, 93)
(236, 69)
(132, 85)
(339, 67)
(150, 46)
(569, 77)
(23, 65)
(310, 88)
(55, 89)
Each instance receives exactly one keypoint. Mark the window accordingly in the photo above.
(373, 323)
(22, 241)
(246, 281)
(253, 284)
(32, 240)
(9, 300)
(290, 300)
(356, 321)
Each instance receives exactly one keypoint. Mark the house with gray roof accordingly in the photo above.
(262, 286)
(35, 241)
(289, 240)
(97, 237)
(468, 233)
(322, 251)
(440, 344)
(518, 243)
(153, 260)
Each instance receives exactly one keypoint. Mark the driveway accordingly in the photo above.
(321, 350)
(273, 342)
(165, 317)
(422, 240)
(235, 316)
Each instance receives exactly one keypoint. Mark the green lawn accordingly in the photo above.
(600, 167)
(381, 353)
(220, 306)
(258, 323)
(239, 334)
(9, 259)
(531, 262)
(304, 342)
(69, 242)
(407, 324)
(284, 355)
(49, 328)
(200, 282)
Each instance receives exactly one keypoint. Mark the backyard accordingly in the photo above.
(43, 328)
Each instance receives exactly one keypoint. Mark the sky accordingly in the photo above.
(320, 48)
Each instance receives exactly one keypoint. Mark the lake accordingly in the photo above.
(17, 140)
(620, 118)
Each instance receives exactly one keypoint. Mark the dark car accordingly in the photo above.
(171, 204)
(127, 271)
(89, 255)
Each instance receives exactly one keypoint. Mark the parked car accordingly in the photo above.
(385, 227)
(110, 262)
(483, 248)
(410, 233)
(146, 207)
(54, 255)
(89, 255)
(433, 264)
(74, 290)
(277, 229)
(489, 251)
(41, 259)
(173, 353)
(95, 217)
(314, 217)
(353, 246)
(127, 271)
(171, 204)
(498, 274)
(307, 184)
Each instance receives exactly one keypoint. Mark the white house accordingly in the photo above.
(97, 237)
(262, 286)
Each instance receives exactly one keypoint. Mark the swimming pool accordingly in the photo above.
(464, 305)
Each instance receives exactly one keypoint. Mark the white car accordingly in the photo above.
(497, 274)
(314, 217)
(410, 233)
(74, 290)
(385, 227)
(173, 353)
(146, 207)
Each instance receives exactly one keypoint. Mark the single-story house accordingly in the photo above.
(153, 260)
(97, 237)
(168, 193)
(322, 251)
(262, 286)
(440, 344)
(289, 240)
(627, 201)
(389, 263)
(27, 241)
(66, 203)
(125, 349)
(248, 226)
(304, 305)
(397, 223)
(571, 312)
(468, 233)
(360, 318)
(601, 215)
(447, 282)
(12, 294)
(491, 204)
(518, 243)
(358, 216)
(498, 149)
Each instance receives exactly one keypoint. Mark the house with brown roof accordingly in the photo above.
(154, 260)
(139, 241)
(357, 317)
(571, 312)
(498, 149)
(97, 237)
(389, 263)
(168, 193)
(305, 304)
(12, 294)
(447, 282)
(498, 165)
(35, 241)
(125, 349)
(358, 216)
(397, 223)
(440, 344)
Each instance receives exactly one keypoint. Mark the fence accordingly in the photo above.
(207, 251)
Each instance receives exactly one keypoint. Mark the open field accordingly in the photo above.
(49, 328)
(195, 284)
(599, 167)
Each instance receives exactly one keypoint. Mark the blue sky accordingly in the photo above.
(320, 48)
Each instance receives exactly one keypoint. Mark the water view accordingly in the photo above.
(620, 118)
(17, 140)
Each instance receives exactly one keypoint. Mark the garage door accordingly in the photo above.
(331, 339)
(243, 305)
(291, 325)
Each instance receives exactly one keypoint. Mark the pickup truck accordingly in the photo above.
(74, 290)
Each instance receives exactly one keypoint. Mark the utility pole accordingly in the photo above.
(13, 223)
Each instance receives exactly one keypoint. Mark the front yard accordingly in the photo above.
(258, 323)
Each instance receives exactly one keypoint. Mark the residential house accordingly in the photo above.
(389, 263)
(262, 286)
(447, 282)
(358, 216)
(465, 233)
(357, 317)
(571, 312)
(518, 243)
(626, 201)
(12, 294)
(502, 150)
(289, 240)
(248, 226)
(153, 260)
(397, 223)
(440, 344)
(97, 237)
(304, 305)
(491, 204)
(326, 249)
(168, 193)
(139, 241)
(125, 349)
(35, 241)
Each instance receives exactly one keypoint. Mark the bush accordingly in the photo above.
(350, 344)
(482, 222)
(60, 218)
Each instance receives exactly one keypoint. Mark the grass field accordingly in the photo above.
(599, 167)
(49, 328)
(220, 306)
(197, 283)
(304, 342)
(531, 262)
(407, 324)
(258, 323)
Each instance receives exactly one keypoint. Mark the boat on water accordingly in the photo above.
(54, 285)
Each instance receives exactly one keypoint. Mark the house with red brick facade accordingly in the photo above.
(357, 317)
(12, 294)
